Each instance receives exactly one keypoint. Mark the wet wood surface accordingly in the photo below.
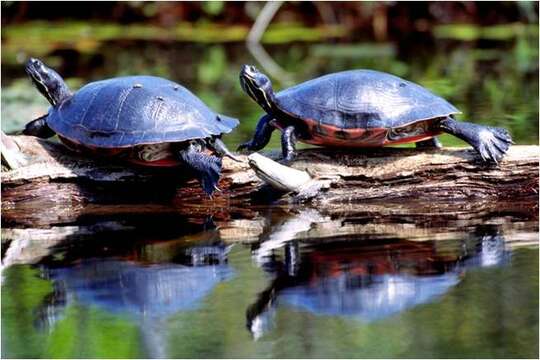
(55, 186)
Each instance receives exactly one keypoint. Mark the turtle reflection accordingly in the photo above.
(366, 280)
(135, 288)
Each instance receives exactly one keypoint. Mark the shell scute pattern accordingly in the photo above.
(133, 110)
(363, 99)
(309, 94)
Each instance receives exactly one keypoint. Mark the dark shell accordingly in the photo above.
(135, 110)
(360, 99)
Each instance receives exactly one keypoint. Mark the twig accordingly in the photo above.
(255, 48)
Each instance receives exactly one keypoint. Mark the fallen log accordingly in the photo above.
(52, 185)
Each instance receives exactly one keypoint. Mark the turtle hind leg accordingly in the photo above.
(39, 128)
(263, 133)
(206, 167)
(490, 142)
(433, 143)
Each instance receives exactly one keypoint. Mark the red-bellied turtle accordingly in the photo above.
(361, 108)
(147, 120)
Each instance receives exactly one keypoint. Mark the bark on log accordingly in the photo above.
(56, 186)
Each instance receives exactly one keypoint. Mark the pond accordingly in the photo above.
(276, 281)
(285, 284)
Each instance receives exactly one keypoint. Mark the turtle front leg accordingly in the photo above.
(219, 147)
(263, 133)
(490, 142)
(39, 128)
(206, 167)
(288, 144)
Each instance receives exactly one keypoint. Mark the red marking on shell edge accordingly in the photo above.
(168, 162)
(113, 152)
(327, 135)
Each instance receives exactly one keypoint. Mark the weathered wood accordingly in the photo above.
(57, 186)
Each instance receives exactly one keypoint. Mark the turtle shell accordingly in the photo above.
(363, 108)
(135, 110)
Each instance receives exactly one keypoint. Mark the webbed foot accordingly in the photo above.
(490, 142)
(206, 167)
(248, 145)
(209, 178)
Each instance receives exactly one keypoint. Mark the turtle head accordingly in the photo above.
(48, 82)
(257, 85)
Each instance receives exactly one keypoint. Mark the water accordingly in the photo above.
(297, 284)
(282, 282)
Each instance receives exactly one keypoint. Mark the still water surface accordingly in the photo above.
(293, 284)
(296, 287)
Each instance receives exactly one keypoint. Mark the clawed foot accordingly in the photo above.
(210, 174)
(247, 146)
(492, 143)
(206, 167)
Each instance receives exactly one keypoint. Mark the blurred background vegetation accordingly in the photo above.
(481, 56)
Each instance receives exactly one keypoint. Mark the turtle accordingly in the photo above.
(361, 108)
(146, 120)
